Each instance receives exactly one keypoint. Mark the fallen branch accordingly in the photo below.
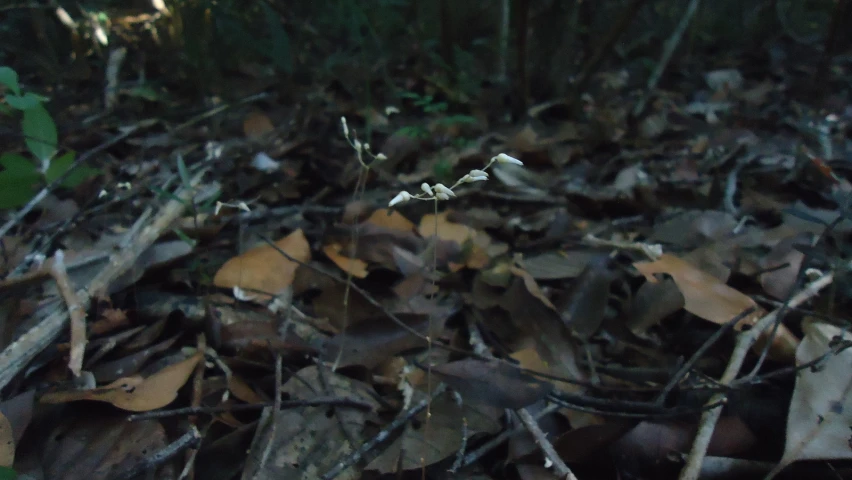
(17, 355)
(744, 342)
(76, 312)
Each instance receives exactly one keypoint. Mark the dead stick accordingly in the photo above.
(744, 342)
(17, 355)
(76, 312)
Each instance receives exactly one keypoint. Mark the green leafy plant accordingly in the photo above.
(20, 173)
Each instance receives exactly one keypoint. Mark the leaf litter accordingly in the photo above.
(595, 285)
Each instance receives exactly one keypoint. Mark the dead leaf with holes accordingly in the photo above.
(264, 268)
(442, 438)
(136, 394)
(709, 298)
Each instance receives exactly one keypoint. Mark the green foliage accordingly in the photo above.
(21, 174)
(7, 473)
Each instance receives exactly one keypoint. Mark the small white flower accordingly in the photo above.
(442, 196)
(242, 206)
(400, 197)
(478, 173)
(427, 189)
(367, 147)
(357, 146)
(381, 157)
(441, 189)
(345, 127)
(503, 158)
(468, 179)
(390, 110)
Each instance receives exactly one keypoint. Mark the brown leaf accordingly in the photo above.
(256, 124)
(584, 308)
(705, 296)
(780, 281)
(353, 266)
(492, 383)
(263, 268)
(136, 394)
(394, 221)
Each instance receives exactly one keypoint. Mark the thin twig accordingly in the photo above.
(526, 417)
(544, 444)
(18, 354)
(686, 367)
(314, 402)
(744, 342)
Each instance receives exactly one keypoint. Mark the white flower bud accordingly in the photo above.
(427, 189)
(478, 173)
(357, 146)
(503, 158)
(441, 189)
(390, 110)
(442, 196)
(367, 147)
(381, 157)
(345, 127)
(400, 197)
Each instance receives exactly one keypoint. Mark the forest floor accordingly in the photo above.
(231, 295)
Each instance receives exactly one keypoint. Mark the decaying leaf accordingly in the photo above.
(492, 383)
(821, 408)
(101, 448)
(263, 268)
(425, 445)
(136, 394)
(307, 442)
(373, 341)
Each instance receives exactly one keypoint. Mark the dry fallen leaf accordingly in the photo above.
(263, 268)
(257, 124)
(394, 221)
(135, 393)
(709, 298)
(704, 294)
(353, 266)
(821, 408)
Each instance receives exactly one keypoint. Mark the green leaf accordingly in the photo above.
(40, 133)
(280, 51)
(60, 165)
(183, 172)
(17, 180)
(23, 102)
(9, 78)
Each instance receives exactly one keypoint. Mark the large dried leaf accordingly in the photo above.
(307, 442)
(263, 268)
(436, 436)
(136, 394)
(705, 295)
(492, 383)
(821, 408)
(709, 298)
(353, 266)
(584, 308)
(93, 448)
